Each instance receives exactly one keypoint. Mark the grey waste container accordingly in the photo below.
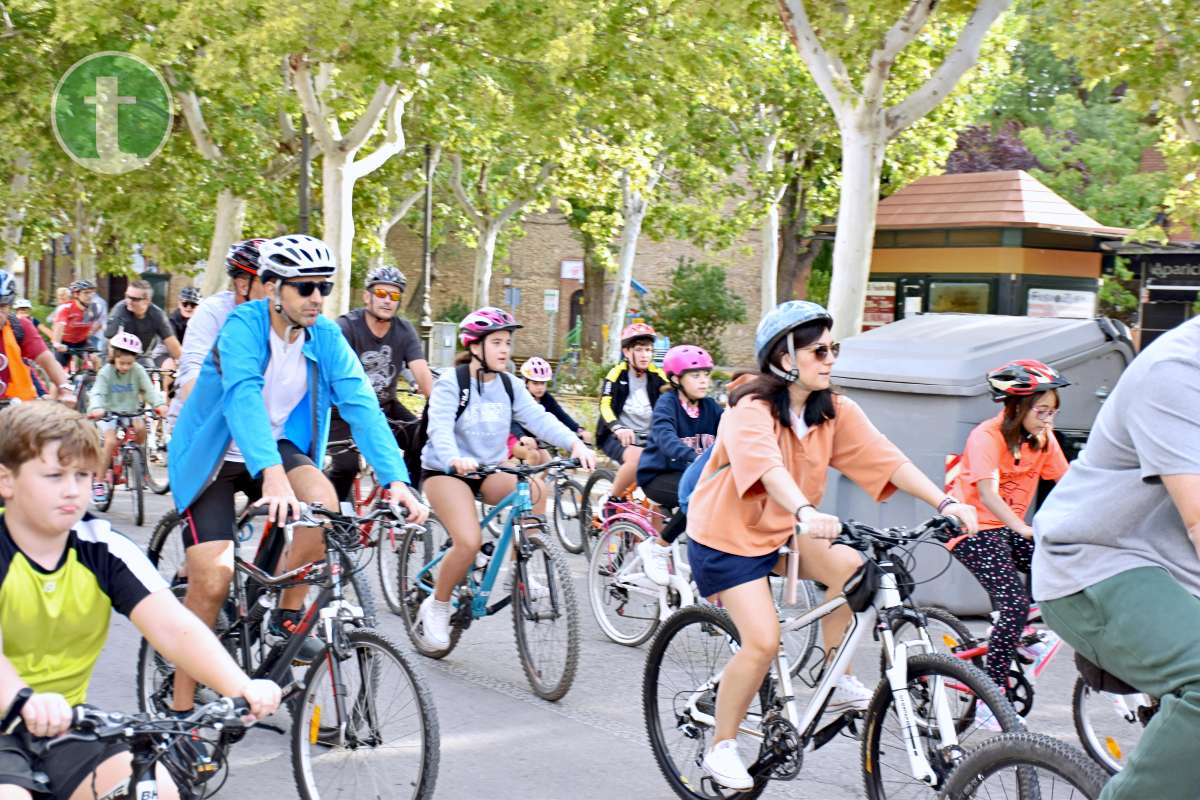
(921, 380)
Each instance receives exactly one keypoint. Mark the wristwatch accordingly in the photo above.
(949, 500)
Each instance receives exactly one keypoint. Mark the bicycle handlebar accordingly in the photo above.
(90, 724)
(522, 471)
(861, 536)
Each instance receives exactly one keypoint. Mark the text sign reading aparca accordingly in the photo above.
(111, 112)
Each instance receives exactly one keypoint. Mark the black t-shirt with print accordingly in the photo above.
(384, 357)
(149, 329)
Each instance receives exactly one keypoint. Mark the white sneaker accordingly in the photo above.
(985, 719)
(849, 695)
(433, 623)
(656, 561)
(725, 766)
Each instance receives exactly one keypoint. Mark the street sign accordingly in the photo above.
(550, 300)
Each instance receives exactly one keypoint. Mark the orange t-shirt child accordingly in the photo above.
(987, 455)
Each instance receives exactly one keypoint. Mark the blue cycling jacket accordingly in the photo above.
(226, 404)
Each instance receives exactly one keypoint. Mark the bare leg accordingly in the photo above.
(311, 486)
(210, 571)
(454, 505)
(627, 473)
(117, 771)
(752, 610)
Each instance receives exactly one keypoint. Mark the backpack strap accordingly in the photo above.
(18, 328)
(463, 373)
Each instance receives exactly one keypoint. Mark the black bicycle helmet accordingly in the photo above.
(387, 275)
(242, 258)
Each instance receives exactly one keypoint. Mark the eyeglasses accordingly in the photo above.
(133, 298)
(823, 351)
(306, 288)
(1045, 413)
(188, 305)
(384, 293)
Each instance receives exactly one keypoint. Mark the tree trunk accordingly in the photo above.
(337, 212)
(768, 290)
(14, 217)
(635, 212)
(227, 229)
(591, 338)
(85, 244)
(863, 144)
(485, 254)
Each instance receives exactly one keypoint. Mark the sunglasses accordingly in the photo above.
(188, 305)
(823, 351)
(306, 288)
(384, 293)
(136, 299)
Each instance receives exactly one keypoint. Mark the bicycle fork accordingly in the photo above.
(897, 677)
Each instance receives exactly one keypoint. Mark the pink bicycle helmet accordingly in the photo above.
(684, 357)
(636, 331)
(537, 369)
(482, 321)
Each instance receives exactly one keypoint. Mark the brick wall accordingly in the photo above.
(532, 265)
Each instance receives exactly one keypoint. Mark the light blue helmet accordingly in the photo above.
(8, 288)
(778, 322)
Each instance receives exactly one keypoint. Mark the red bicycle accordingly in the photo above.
(129, 460)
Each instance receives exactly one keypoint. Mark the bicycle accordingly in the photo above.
(914, 726)
(152, 739)
(545, 612)
(1026, 765)
(595, 490)
(83, 374)
(157, 435)
(566, 505)
(129, 460)
(348, 755)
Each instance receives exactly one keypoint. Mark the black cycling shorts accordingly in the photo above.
(211, 516)
(475, 484)
(59, 772)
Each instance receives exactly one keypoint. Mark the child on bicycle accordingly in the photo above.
(61, 576)
(459, 443)
(627, 400)
(537, 373)
(122, 387)
(766, 473)
(684, 424)
(1003, 461)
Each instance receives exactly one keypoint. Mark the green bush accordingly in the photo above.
(697, 307)
(454, 311)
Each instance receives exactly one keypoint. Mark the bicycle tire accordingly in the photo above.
(1024, 749)
(150, 665)
(387, 562)
(953, 627)
(686, 777)
(1101, 753)
(414, 554)
(614, 547)
(364, 594)
(588, 531)
(975, 685)
(169, 525)
(134, 472)
(307, 729)
(568, 526)
(560, 603)
(153, 483)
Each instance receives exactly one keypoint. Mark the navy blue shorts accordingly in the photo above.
(715, 570)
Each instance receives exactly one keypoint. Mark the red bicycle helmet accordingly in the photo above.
(1023, 378)
(242, 258)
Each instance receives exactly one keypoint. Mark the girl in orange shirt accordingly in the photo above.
(767, 473)
(1003, 461)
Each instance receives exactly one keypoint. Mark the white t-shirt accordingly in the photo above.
(638, 410)
(285, 384)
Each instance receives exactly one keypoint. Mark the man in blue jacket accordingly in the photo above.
(257, 422)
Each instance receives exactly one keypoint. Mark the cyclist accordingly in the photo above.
(684, 425)
(537, 373)
(1003, 461)
(122, 387)
(627, 403)
(1116, 566)
(75, 323)
(386, 345)
(141, 317)
(62, 573)
(462, 439)
(256, 421)
(20, 344)
(766, 473)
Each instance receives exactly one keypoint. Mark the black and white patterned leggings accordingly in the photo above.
(996, 558)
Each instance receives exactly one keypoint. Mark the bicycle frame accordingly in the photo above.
(636, 582)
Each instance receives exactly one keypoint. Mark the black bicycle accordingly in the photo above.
(363, 717)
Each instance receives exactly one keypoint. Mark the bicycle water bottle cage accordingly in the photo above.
(860, 588)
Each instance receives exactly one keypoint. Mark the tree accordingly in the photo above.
(697, 307)
(865, 73)
(984, 148)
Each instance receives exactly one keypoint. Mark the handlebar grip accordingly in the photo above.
(240, 707)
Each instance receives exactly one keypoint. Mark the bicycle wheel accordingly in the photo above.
(153, 482)
(387, 559)
(691, 647)
(134, 472)
(155, 675)
(948, 633)
(545, 617)
(1110, 725)
(418, 548)
(886, 770)
(597, 487)
(166, 547)
(800, 644)
(366, 725)
(568, 524)
(624, 601)
(1026, 765)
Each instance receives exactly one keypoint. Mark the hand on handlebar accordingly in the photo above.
(967, 518)
(96, 413)
(464, 466)
(401, 497)
(262, 696)
(47, 714)
(625, 436)
(819, 525)
(584, 455)
(281, 502)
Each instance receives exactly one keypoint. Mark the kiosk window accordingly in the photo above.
(963, 298)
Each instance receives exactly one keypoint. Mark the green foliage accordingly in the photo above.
(453, 311)
(697, 307)
(584, 379)
(1116, 299)
(821, 275)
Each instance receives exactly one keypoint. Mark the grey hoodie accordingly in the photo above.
(482, 431)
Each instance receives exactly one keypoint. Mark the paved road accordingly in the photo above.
(500, 742)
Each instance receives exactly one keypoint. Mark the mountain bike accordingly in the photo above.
(128, 467)
(545, 612)
(1030, 766)
(567, 504)
(360, 684)
(914, 728)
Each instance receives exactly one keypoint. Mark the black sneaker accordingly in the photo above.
(280, 627)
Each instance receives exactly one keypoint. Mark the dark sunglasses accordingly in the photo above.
(382, 293)
(823, 351)
(306, 288)
(188, 305)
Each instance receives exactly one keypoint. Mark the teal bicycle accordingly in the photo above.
(542, 593)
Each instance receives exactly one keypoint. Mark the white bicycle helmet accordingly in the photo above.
(295, 256)
(124, 340)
